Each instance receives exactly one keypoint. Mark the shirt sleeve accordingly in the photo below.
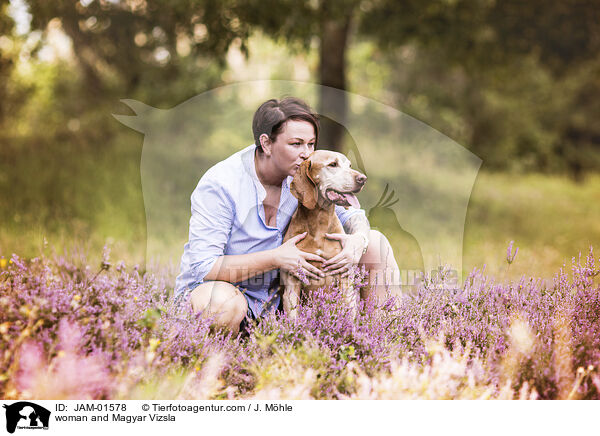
(343, 213)
(210, 226)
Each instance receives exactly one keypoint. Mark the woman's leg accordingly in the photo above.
(221, 300)
(384, 274)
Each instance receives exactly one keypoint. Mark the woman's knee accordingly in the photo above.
(219, 297)
(379, 248)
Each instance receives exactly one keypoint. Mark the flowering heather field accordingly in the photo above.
(112, 332)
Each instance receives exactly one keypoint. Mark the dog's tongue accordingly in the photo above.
(347, 197)
(351, 198)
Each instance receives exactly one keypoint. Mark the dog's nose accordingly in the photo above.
(361, 179)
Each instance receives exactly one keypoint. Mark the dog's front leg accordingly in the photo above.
(291, 294)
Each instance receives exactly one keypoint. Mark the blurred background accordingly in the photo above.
(516, 83)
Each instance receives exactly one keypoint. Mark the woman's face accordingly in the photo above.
(292, 146)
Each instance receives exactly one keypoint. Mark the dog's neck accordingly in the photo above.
(317, 219)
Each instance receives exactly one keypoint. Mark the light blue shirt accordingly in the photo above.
(228, 218)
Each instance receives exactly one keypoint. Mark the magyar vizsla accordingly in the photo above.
(323, 180)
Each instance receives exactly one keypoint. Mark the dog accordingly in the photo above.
(322, 181)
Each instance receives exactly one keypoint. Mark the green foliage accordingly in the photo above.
(6, 56)
(517, 116)
(70, 172)
(512, 81)
(124, 47)
(151, 317)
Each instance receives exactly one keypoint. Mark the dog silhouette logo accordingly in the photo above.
(405, 245)
(26, 415)
(430, 175)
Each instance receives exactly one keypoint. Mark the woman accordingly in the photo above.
(240, 211)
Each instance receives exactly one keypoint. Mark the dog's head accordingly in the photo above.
(326, 177)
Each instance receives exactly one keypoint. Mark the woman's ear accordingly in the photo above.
(265, 144)
(303, 187)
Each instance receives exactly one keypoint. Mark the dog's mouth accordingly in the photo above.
(342, 198)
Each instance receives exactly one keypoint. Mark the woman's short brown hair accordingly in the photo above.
(271, 116)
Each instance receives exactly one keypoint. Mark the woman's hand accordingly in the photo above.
(290, 258)
(352, 251)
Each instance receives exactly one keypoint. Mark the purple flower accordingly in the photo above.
(510, 256)
(100, 338)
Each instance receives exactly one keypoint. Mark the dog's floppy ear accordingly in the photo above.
(303, 187)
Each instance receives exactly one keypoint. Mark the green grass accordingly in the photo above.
(549, 217)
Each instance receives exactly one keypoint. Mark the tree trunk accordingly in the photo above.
(70, 24)
(332, 73)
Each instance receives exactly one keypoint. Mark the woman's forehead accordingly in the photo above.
(299, 129)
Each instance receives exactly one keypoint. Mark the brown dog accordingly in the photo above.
(323, 180)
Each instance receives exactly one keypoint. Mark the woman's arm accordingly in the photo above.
(235, 268)
(358, 224)
(354, 243)
(213, 211)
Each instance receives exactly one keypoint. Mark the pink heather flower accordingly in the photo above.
(69, 375)
(115, 320)
(302, 275)
(105, 265)
(69, 335)
(510, 256)
(31, 362)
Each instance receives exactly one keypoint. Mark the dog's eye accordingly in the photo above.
(333, 164)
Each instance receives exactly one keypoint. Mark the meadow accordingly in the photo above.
(550, 217)
(93, 215)
(86, 287)
(111, 331)
(87, 312)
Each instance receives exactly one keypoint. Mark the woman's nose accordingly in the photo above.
(305, 151)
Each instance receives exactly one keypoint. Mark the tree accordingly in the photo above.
(330, 24)
(6, 60)
(558, 41)
(137, 42)
(125, 42)
(125, 37)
